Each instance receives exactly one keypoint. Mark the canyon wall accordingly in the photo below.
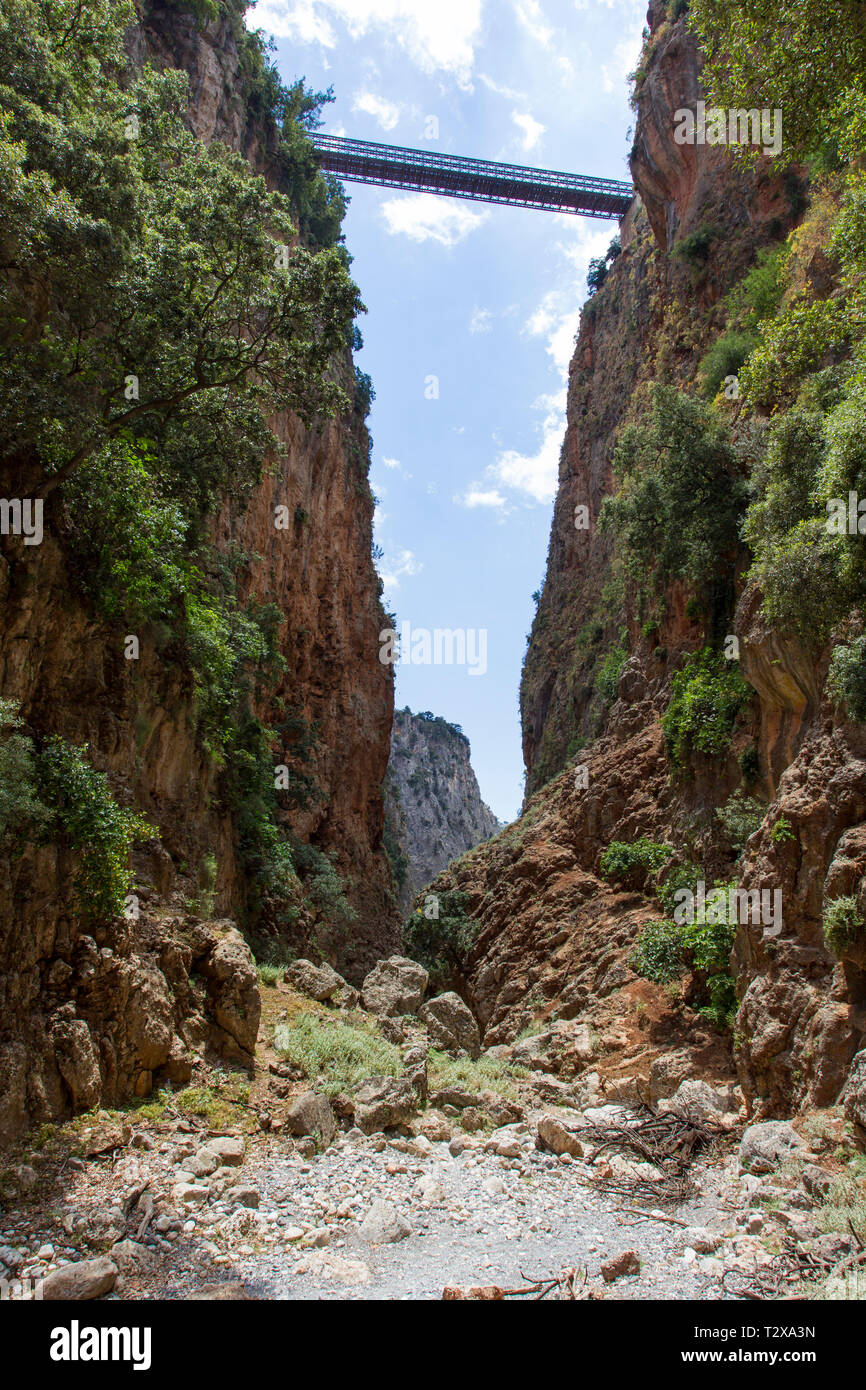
(89, 1017)
(433, 806)
(554, 937)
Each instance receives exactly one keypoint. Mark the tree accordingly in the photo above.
(681, 495)
(152, 288)
(794, 55)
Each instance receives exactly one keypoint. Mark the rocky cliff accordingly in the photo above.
(555, 930)
(433, 807)
(90, 1015)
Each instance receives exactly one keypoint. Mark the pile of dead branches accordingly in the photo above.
(570, 1285)
(670, 1142)
(790, 1269)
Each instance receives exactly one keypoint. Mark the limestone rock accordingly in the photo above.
(311, 1115)
(766, 1146)
(319, 982)
(555, 1136)
(83, 1280)
(451, 1025)
(621, 1266)
(383, 1225)
(394, 986)
(229, 1149)
(383, 1102)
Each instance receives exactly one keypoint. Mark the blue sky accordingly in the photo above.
(486, 299)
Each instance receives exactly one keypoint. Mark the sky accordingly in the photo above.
(472, 309)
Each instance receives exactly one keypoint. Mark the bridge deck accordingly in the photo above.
(515, 185)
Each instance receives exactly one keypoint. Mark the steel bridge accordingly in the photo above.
(515, 185)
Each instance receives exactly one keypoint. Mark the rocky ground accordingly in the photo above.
(459, 1176)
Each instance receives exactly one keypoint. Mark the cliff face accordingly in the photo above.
(433, 807)
(94, 1018)
(554, 938)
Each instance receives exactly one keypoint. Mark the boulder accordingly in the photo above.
(621, 1266)
(235, 1002)
(383, 1102)
(319, 982)
(311, 1115)
(415, 1071)
(697, 1099)
(77, 1058)
(383, 1225)
(765, 1146)
(394, 986)
(228, 1149)
(451, 1025)
(77, 1282)
(557, 1138)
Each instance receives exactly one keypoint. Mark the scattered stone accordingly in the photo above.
(554, 1136)
(700, 1239)
(311, 1115)
(230, 1292)
(132, 1258)
(765, 1146)
(228, 1148)
(187, 1194)
(383, 1225)
(472, 1119)
(317, 982)
(451, 1025)
(621, 1266)
(80, 1281)
(243, 1195)
(429, 1191)
(384, 1102)
(457, 1146)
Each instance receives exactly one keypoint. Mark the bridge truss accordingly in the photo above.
(514, 185)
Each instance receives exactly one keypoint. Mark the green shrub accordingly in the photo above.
(20, 807)
(659, 954)
(843, 925)
(706, 697)
(622, 859)
(680, 499)
(741, 816)
(442, 945)
(846, 680)
(679, 876)
(336, 1055)
(724, 359)
(607, 680)
(84, 810)
(782, 831)
(695, 248)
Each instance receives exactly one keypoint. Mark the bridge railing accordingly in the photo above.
(516, 185)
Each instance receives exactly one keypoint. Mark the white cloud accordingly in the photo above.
(477, 497)
(403, 566)
(536, 474)
(508, 93)
(531, 16)
(392, 463)
(437, 37)
(615, 75)
(426, 217)
(556, 316)
(480, 321)
(532, 129)
(387, 113)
